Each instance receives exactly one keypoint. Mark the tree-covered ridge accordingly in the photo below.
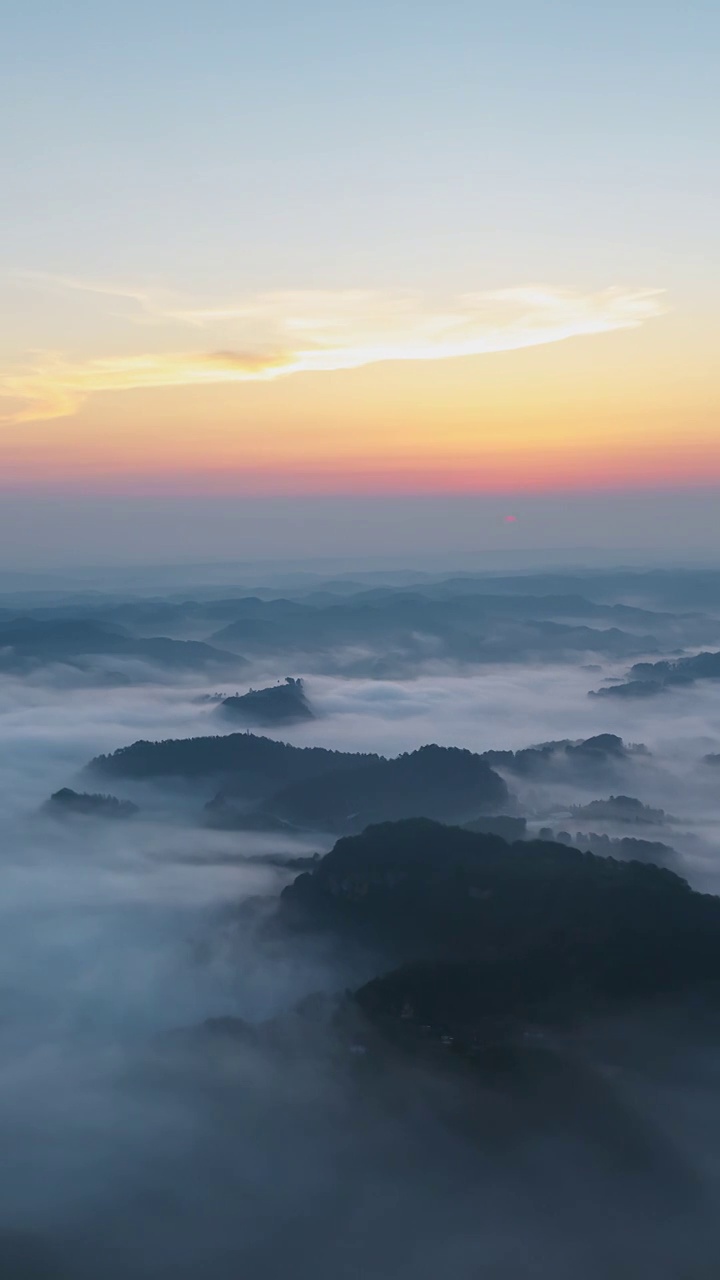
(628, 848)
(586, 756)
(315, 787)
(520, 925)
(434, 782)
(645, 679)
(90, 804)
(701, 666)
(621, 809)
(224, 754)
(278, 704)
(632, 689)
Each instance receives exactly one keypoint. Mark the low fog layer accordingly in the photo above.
(515, 707)
(111, 937)
(135, 1145)
(505, 707)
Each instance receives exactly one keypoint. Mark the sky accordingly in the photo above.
(260, 261)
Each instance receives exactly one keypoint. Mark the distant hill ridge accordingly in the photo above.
(315, 788)
(583, 755)
(29, 642)
(621, 809)
(89, 804)
(224, 754)
(628, 848)
(645, 679)
(446, 783)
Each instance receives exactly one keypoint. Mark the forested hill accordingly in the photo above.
(225, 755)
(312, 787)
(645, 679)
(701, 666)
(446, 783)
(276, 705)
(525, 922)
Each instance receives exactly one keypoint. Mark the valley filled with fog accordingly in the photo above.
(258, 1011)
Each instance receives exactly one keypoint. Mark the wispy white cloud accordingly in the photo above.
(272, 335)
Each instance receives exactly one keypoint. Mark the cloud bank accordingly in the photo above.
(275, 335)
(132, 1151)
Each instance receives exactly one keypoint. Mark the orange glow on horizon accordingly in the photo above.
(547, 408)
(536, 473)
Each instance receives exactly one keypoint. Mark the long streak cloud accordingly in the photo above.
(268, 336)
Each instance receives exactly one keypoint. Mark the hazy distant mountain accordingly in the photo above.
(624, 809)
(66, 802)
(628, 848)
(408, 620)
(604, 753)
(409, 627)
(647, 589)
(633, 689)
(27, 643)
(702, 666)
(645, 679)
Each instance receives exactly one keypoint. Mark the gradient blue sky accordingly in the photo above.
(391, 140)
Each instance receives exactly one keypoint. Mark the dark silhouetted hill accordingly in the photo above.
(314, 787)
(278, 704)
(625, 809)
(633, 689)
(648, 678)
(703, 666)
(499, 825)
(248, 766)
(586, 757)
(65, 802)
(444, 783)
(489, 928)
(628, 848)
